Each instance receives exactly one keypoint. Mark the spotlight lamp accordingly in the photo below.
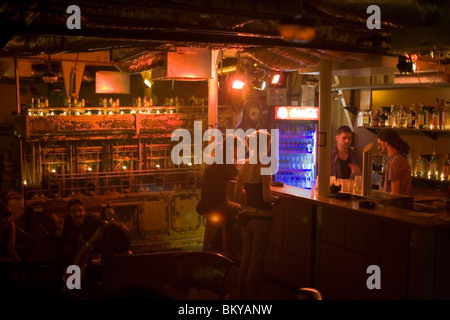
(148, 83)
(276, 78)
(259, 84)
(238, 84)
(239, 80)
(406, 63)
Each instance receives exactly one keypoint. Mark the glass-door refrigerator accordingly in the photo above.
(298, 128)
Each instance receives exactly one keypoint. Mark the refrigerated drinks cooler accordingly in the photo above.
(298, 128)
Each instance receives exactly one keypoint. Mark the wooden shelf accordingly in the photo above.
(433, 134)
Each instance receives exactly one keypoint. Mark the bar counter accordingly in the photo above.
(329, 244)
(429, 221)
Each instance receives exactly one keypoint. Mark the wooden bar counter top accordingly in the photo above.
(418, 219)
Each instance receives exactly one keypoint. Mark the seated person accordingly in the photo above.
(110, 239)
(7, 235)
(78, 229)
(345, 161)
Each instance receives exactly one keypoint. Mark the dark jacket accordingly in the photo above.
(335, 169)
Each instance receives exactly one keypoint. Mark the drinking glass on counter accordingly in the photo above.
(332, 180)
(313, 187)
(340, 182)
(358, 185)
(345, 185)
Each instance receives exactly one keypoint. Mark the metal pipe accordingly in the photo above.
(367, 170)
(213, 92)
(324, 145)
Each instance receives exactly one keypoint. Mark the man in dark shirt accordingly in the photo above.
(345, 162)
(78, 229)
(214, 196)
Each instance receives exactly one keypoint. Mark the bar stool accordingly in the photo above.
(215, 220)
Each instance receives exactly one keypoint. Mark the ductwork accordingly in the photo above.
(399, 14)
(137, 33)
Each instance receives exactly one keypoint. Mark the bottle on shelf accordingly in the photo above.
(445, 117)
(376, 119)
(411, 118)
(447, 167)
(410, 162)
(367, 118)
(401, 117)
(436, 117)
(383, 118)
(420, 168)
(386, 118)
(393, 117)
(422, 118)
(434, 169)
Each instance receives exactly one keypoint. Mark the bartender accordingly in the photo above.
(398, 171)
(345, 161)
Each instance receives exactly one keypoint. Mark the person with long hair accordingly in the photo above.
(256, 219)
(398, 171)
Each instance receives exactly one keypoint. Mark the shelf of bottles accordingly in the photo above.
(109, 106)
(429, 120)
(427, 168)
(296, 155)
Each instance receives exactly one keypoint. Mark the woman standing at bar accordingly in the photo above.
(398, 172)
(255, 220)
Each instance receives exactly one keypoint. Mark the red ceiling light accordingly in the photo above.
(238, 84)
(276, 79)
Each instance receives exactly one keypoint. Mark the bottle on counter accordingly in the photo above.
(434, 166)
(376, 119)
(411, 118)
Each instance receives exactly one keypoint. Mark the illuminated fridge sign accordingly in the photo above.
(296, 113)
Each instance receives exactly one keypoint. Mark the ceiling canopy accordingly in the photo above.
(138, 33)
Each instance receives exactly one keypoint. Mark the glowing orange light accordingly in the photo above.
(275, 79)
(238, 84)
(215, 217)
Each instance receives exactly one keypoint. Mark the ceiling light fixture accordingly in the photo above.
(147, 76)
(298, 29)
(259, 84)
(276, 79)
(49, 76)
(239, 78)
(238, 84)
(406, 63)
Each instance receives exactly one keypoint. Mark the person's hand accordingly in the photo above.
(355, 169)
(277, 201)
(97, 235)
